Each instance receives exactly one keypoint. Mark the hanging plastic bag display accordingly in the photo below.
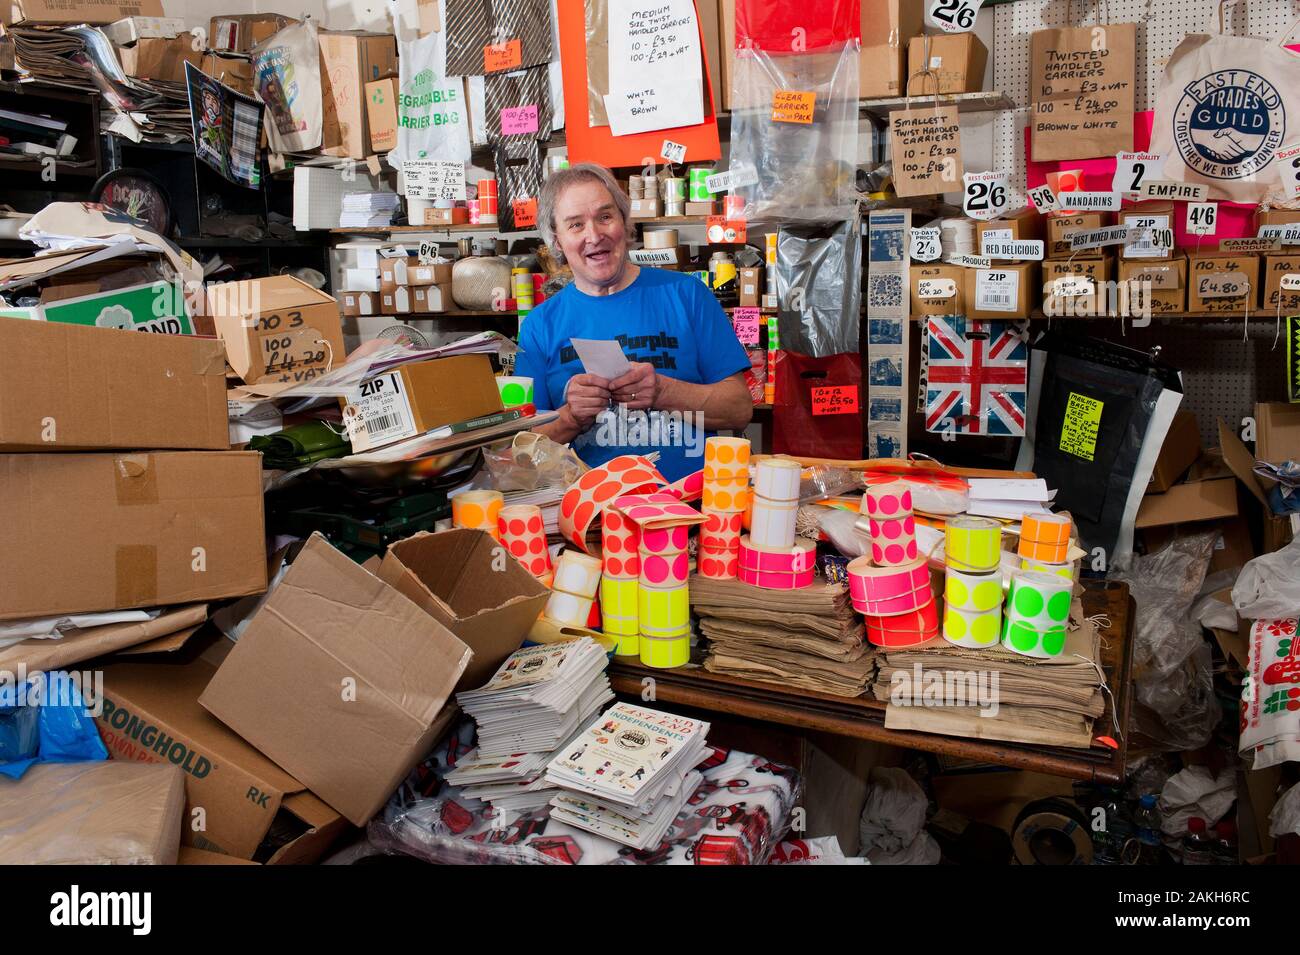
(287, 71)
(519, 183)
(976, 378)
(518, 104)
(818, 281)
(1224, 106)
(489, 36)
(432, 119)
(818, 406)
(794, 117)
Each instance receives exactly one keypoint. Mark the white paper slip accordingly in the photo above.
(1007, 510)
(602, 358)
(1008, 489)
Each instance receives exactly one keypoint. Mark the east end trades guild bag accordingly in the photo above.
(1224, 106)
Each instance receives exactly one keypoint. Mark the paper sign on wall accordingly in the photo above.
(793, 106)
(745, 321)
(926, 149)
(656, 78)
(1080, 426)
(1082, 90)
(835, 399)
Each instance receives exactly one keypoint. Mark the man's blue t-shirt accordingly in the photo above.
(668, 319)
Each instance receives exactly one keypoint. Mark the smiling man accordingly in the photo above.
(687, 374)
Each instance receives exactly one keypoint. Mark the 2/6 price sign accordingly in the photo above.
(953, 16)
(985, 194)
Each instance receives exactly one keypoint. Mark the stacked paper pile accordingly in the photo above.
(628, 774)
(808, 638)
(366, 209)
(538, 699)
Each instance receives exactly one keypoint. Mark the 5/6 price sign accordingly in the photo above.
(985, 194)
(953, 16)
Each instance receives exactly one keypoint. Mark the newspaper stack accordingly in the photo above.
(628, 774)
(368, 209)
(538, 698)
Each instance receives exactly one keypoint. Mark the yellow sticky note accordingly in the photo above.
(1079, 429)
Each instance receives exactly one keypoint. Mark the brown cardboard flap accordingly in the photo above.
(1242, 463)
(92, 642)
(192, 856)
(1278, 426)
(1186, 503)
(165, 644)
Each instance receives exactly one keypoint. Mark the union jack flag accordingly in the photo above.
(977, 377)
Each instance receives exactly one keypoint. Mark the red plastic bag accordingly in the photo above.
(818, 410)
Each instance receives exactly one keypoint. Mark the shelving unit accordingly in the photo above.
(990, 101)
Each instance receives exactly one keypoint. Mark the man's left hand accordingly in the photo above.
(638, 389)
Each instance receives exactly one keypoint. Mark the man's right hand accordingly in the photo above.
(587, 396)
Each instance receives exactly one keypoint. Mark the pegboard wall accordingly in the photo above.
(1224, 374)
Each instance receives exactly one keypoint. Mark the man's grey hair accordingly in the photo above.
(559, 181)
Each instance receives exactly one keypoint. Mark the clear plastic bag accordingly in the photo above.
(530, 461)
(1269, 586)
(821, 481)
(893, 821)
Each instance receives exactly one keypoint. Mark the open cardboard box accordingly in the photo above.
(472, 586)
(1277, 433)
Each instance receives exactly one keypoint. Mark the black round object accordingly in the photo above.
(136, 193)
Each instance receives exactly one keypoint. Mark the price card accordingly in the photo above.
(502, 56)
(1290, 282)
(519, 120)
(936, 288)
(731, 179)
(428, 253)
(745, 321)
(1202, 218)
(673, 152)
(1131, 168)
(1044, 199)
(525, 213)
(721, 230)
(835, 399)
(1287, 163)
(793, 106)
(985, 195)
(433, 179)
(925, 245)
(953, 16)
(1222, 285)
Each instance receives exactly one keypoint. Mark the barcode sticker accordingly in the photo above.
(996, 291)
(378, 413)
(1144, 244)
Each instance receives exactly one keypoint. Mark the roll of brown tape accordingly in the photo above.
(1051, 832)
(660, 238)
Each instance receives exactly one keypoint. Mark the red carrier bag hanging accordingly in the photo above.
(818, 406)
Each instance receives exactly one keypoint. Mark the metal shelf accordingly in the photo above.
(986, 102)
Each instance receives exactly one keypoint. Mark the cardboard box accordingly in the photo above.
(1147, 215)
(339, 679)
(277, 328)
(239, 34)
(887, 30)
(956, 63)
(235, 72)
(1211, 272)
(1276, 266)
(70, 388)
(452, 576)
(147, 307)
(750, 282)
(91, 532)
(1277, 432)
(160, 58)
(103, 812)
(348, 62)
(1061, 227)
(129, 29)
(1089, 276)
(1189, 502)
(381, 113)
(438, 273)
(191, 856)
(645, 208)
(395, 302)
(701, 208)
(423, 395)
(1008, 291)
(1179, 452)
(360, 303)
(1265, 217)
(938, 289)
(1157, 287)
(431, 298)
(93, 11)
(1023, 224)
(152, 714)
(456, 215)
(362, 280)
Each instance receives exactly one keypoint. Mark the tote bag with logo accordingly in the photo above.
(1224, 106)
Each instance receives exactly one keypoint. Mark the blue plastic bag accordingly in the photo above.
(44, 720)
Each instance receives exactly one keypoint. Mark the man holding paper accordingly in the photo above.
(621, 339)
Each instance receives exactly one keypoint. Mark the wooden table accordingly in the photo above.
(864, 717)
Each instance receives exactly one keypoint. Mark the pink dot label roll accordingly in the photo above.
(887, 500)
(785, 569)
(721, 530)
(893, 540)
(620, 539)
(665, 540)
(888, 591)
(719, 564)
(664, 571)
(523, 534)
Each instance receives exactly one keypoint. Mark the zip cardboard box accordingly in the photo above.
(1004, 292)
(151, 714)
(956, 63)
(1179, 452)
(1211, 272)
(944, 288)
(277, 328)
(1096, 272)
(1160, 286)
(1276, 266)
(349, 60)
(1060, 227)
(1147, 215)
(421, 396)
(340, 680)
(72, 388)
(93, 11)
(92, 532)
(381, 113)
(239, 34)
(456, 577)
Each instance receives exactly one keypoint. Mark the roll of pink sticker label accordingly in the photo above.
(775, 580)
(658, 571)
(887, 591)
(667, 540)
(889, 500)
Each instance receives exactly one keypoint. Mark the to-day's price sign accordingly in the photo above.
(1202, 218)
(925, 245)
(953, 16)
(835, 399)
(745, 321)
(502, 56)
(1044, 199)
(673, 152)
(1287, 164)
(434, 179)
(793, 106)
(985, 195)
(1131, 169)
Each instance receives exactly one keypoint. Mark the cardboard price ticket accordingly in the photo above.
(835, 399)
(793, 106)
(502, 56)
(926, 146)
(1082, 91)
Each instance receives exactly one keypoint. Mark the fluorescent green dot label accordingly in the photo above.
(1058, 608)
(513, 394)
(1054, 641)
(988, 595)
(1028, 602)
(1023, 638)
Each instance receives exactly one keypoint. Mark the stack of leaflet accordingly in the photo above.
(538, 698)
(368, 209)
(514, 784)
(628, 775)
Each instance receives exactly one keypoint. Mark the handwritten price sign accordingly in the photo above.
(502, 56)
(745, 321)
(835, 399)
(793, 106)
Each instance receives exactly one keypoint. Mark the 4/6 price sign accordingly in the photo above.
(953, 16)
